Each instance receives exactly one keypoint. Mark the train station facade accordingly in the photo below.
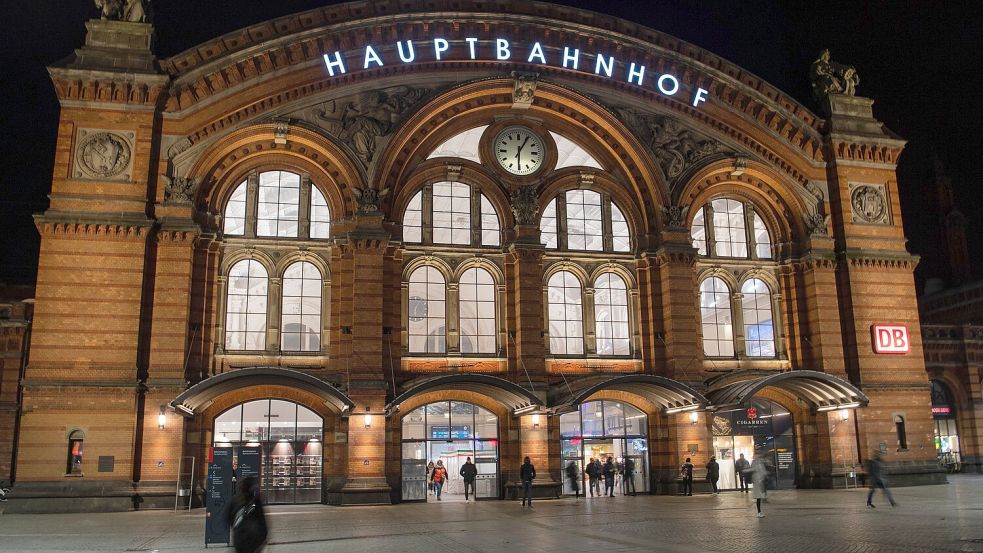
(370, 236)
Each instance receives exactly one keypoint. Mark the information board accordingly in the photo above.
(218, 495)
(249, 463)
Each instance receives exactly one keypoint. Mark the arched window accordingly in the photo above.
(477, 305)
(730, 228)
(451, 213)
(899, 429)
(75, 442)
(278, 205)
(427, 311)
(718, 328)
(611, 315)
(590, 222)
(463, 145)
(759, 326)
(571, 154)
(566, 313)
(245, 321)
(300, 324)
(320, 215)
(235, 212)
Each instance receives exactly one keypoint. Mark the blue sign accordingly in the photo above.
(462, 432)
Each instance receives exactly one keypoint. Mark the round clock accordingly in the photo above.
(519, 150)
(418, 308)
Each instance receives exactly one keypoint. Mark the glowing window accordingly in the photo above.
(621, 241)
(547, 226)
(611, 315)
(490, 230)
(235, 212)
(759, 328)
(320, 215)
(566, 314)
(427, 311)
(477, 305)
(279, 204)
(301, 318)
(451, 213)
(718, 329)
(584, 223)
(571, 154)
(413, 220)
(463, 145)
(762, 241)
(698, 232)
(729, 230)
(245, 321)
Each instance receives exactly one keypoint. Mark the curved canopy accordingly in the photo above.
(672, 396)
(510, 394)
(824, 391)
(201, 394)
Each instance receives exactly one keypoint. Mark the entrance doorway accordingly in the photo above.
(449, 432)
(288, 437)
(764, 429)
(602, 429)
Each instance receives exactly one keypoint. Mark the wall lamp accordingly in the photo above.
(535, 420)
(694, 417)
(161, 418)
(367, 418)
(844, 415)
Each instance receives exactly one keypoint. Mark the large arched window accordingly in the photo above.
(584, 220)
(451, 213)
(718, 328)
(427, 311)
(566, 314)
(611, 315)
(730, 228)
(245, 321)
(476, 290)
(300, 325)
(759, 326)
(268, 204)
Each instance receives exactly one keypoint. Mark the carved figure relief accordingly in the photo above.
(675, 217)
(675, 147)
(525, 207)
(179, 190)
(369, 200)
(868, 203)
(829, 77)
(103, 155)
(360, 121)
(816, 224)
(134, 11)
(523, 89)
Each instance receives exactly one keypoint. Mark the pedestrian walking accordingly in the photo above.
(430, 467)
(469, 473)
(594, 476)
(875, 473)
(438, 477)
(573, 474)
(629, 476)
(741, 467)
(713, 473)
(247, 519)
(759, 475)
(527, 473)
(609, 472)
(687, 472)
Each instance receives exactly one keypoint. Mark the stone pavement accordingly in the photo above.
(928, 518)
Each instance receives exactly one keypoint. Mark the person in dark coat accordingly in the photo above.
(593, 477)
(573, 474)
(628, 478)
(469, 473)
(713, 473)
(246, 518)
(527, 473)
(687, 472)
(609, 472)
(741, 466)
(875, 473)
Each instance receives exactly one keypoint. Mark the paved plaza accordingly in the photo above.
(928, 518)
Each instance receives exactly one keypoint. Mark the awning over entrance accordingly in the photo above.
(201, 394)
(824, 391)
(672, 396)
(515, 397)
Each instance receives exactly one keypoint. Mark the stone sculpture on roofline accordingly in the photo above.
(133, 11)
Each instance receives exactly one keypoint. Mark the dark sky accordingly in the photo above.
(920, 60)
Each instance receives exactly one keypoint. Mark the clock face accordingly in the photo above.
(418, 308)
(519, 150)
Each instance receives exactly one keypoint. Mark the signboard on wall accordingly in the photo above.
(218, 495)
(249, 463)
(890, 338)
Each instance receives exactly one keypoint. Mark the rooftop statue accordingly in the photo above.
(134, 11)
(832, 78)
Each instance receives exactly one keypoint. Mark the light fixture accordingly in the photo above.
(535, 420)
(824, 408)
(694, 417)
(844, 415)
(367, 418)
(161, 418)
(674, 410)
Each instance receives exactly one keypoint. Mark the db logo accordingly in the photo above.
(890, 338)
(752, 413)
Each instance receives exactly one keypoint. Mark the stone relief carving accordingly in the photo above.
(829, 77)
(523, 89)
(361, 120)
(675, 147)
(180, 190)
(103, 155)
(868, 203)
(675, 217)
(815, 190)
(134, 11)
(816, 224)
(525, 206)
(280, 130)
(178, 148)
(369, 200)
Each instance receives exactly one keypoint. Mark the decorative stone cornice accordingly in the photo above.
(880, 261)
(54, 223)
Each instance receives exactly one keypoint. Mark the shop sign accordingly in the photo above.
(942, 412)
(890, 338)
(454, 51)
(462, 432)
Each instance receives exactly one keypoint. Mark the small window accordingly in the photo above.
(463, 145)
(547, 226)
(235, 212)
(899, 427)
(699, 233)
(451, 213)
(490, 230)
(570, 154)
(566, 314)
(477, 306)
(74, 464)
(584, 223)
(413, 220)
(718, 328)
(729, 230)
(427, 311)
(301, 311)
(320, 215)
(621, 241)
(762, 242)
(279, 204)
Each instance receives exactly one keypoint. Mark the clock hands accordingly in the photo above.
(518, 152)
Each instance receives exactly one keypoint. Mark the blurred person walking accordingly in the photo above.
(713, 473)
(759, 476)
(875, 472)
(609, 472)
(740, 467)
(438, 477)
(247, 519)
(469, 473)
(573, 474)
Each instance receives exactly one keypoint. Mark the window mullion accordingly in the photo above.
(709, 226)
(475, 216)
(274, 299)
(589, 322)
(752, 245)
(561, 222)
(737, 310)
(304, 209)
(252, 203)
(427, 214)
(606, 226)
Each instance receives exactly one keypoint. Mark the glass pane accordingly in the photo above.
(571, 154)
(477, 311)
(570, 424)
(547, 226)
(759, 330)
(566, 330)
(486, 424)
(611, 315)
(278, 207)
(635, 421)
(308, 424)
(761, 239)
(698, 232)
(283, 420)
(301, 308)
(584, 220)
(438, 421)
(462, 420)
(245, 321)
(426, 311)
(452, 213)
(320, 215)
(614, 419)
(255, 420)
(413, 220)
(413, 425)
(592, 416)
(490, 235)
(228, 425)
(235, 212)
(729, 231)
(463, 145)
(716, 318)
(619, 230)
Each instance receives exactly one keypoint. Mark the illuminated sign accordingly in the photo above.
(501, 49)
(752, 413)
(890, 338)
(941, 410)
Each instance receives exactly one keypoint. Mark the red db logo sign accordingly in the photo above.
(890, 339)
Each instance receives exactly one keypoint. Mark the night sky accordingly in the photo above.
(920, 60)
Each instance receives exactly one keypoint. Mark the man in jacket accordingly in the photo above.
(593, 474)
(469, 473)
(741, 466)
(609, 472)
(527, 473)
(628, 478)
(713, 473)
